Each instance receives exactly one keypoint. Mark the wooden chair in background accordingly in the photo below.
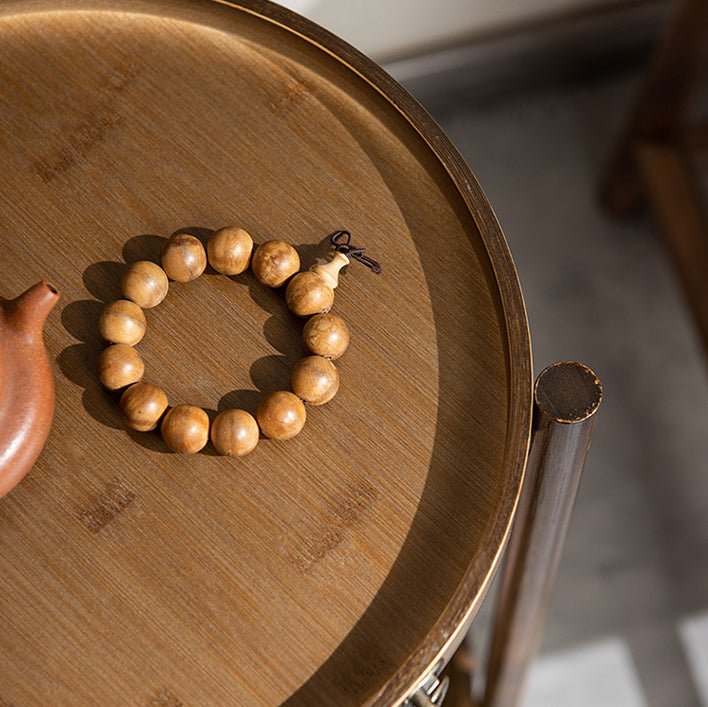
(663, 148)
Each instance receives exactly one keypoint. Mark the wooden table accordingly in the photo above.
(335, 568)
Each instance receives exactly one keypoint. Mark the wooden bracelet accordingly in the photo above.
(280, 415)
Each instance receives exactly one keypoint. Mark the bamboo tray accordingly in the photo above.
(339, 567)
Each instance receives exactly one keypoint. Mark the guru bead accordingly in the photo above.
(315, 380)
(326, 335)
(122, 322)
(185, 429)
(274, 262)
(120, 365)
(144, 283)
(281, 415)
(234, 433)
(229, 250)
(307, 293)
(142, 405)
(329, 272)
(183, 257)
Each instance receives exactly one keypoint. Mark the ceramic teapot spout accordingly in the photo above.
(26, 382)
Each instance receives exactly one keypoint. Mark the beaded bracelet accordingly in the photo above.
(280, 415)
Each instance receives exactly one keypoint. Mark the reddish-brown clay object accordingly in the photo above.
(26, 382)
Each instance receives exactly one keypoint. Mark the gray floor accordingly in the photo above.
(632, 591)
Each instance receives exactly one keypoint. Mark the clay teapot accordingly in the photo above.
(26, 382)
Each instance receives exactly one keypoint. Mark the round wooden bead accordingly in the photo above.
(120, 365)
(183, 257)
(122, 322)
(234, 433)
(142, 405)
(307, 293)
(144, 283)
(315, 380)
(274, 262)
(281, 415)
(185, 429)
(229, 250)
(326, 335)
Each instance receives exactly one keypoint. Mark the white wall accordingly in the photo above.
(385, 29)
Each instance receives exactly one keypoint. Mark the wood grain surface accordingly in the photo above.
(333, 568)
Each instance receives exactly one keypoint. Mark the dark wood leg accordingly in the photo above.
(672, 189)
(567, 396)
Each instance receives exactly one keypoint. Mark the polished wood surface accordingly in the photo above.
(336, 567)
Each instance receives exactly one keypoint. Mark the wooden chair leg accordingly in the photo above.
(567, 396)
(672, 188)
(674, 77)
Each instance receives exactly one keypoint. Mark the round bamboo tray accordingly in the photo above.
(338, 567)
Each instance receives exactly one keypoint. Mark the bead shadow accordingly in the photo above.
(146, 247)
(244, 399)
(282, 330)
(102, 280)
(284, 333)
(310, 254)
(271, 373)
(149, 440)
(78, 361)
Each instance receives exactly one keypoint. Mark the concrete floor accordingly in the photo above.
(628, 623)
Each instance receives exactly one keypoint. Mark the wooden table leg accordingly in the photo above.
(567, 396)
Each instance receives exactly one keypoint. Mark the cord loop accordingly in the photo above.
(346, 248)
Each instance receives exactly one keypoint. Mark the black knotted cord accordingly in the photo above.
(346, 248)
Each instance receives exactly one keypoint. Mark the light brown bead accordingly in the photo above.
(142, 405)
(326, 335)
(185, 429)
(234, 433)
(183, 257)
(144, 283)
(281, 415)
(307, 293)
(122, 322)
(229, 250)
(120, 365)
(274, 262)
(315, 380)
